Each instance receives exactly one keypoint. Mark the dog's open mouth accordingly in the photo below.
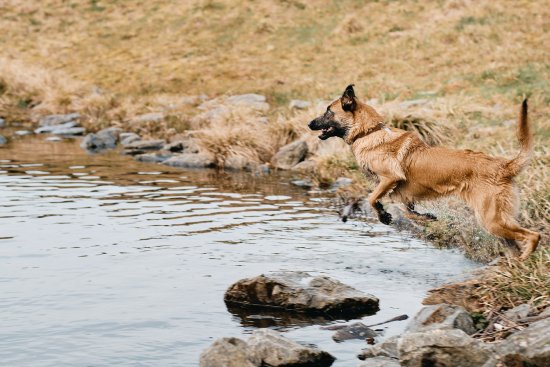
(327, 132)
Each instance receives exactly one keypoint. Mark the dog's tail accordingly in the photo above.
(525, 136)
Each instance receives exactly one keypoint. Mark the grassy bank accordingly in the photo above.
(470, 63)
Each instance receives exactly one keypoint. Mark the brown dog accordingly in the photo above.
(413, 171)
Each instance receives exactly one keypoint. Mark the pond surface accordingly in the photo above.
(105, 261)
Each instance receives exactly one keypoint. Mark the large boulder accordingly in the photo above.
(226, 352)
(301, 292)
(103, 139)
(442, 316)
(269, 348)
(290, 155)
(190, 160)
(58, 119)
(442, 348)
(528, 347)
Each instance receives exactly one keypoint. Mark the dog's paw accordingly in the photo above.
(385, 218)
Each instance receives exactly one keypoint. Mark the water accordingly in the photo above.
(105, 261)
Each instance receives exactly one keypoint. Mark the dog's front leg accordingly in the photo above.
(385, 185)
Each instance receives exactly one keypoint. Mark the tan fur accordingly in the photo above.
(411, 171)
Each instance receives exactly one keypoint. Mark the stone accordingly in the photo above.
(308, 165)
(518, 312)
(3, 140)
(441, 316)
(53, 138)
(341, 182)
(380, 362)
(290, 155)
(226, 352)
(442, 347)
(306, 184)
(58, 119)
(52, 128)
(299, 104)
(251, 100)
(238, 163)
(357, 330)
(147, 117)
(158, 157)
(128, 138)
(2, 122)
(387, 348)
(269, 348)
(143, 146)
(190, 160)
(69, 131)
(301, 292)
(22, 132)
(103, 139)
(527, 347)
(182, 146)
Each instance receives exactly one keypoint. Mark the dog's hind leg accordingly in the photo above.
(385, 185)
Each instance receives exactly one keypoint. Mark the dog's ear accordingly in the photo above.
(348, 99)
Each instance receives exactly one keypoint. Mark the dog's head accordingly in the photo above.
(346, 118)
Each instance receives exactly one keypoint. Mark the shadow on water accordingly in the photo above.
(107, 261)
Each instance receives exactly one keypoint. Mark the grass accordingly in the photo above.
(471, 63)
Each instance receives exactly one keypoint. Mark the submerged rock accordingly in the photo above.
(290, 155)
(190, 160)
(269, 348)
(440, 347)
(301, 292)
(356, 330)
(442, 316)
(58, 119)
(226, 352)
(157, 157)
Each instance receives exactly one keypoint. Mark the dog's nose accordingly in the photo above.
(311, 124)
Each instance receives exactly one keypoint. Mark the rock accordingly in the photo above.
(518, 312)
(308, 165)
(158, 157)
(143, 146)
(528, 347)
(299, 104)
(58, 119)
(306, 184)
(147, 117)
(128, 138)
(387, 348)
(341, 182)
(381, 362)
(301, 292)
(190, 160)
(182, 146)
(52, 128)
(103, 139)
(357, 330)
(270, 348)
(441, 316)
(22, 132)
(226, 352)
(238, 163)
(290, 155)
(441, 347)
(3, 140)
(53, 138)
(69, 131)
(2, 122)
(253, 101)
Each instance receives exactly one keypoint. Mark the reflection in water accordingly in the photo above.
(106, 261)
